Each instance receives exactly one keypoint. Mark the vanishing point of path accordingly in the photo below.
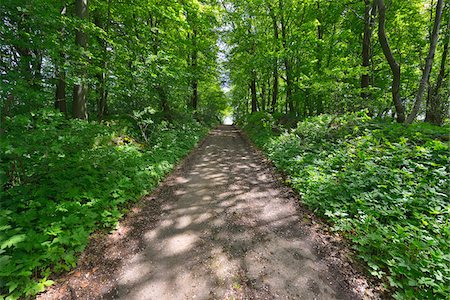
(220, 227)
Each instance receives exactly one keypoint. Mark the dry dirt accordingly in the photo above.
(222, 226)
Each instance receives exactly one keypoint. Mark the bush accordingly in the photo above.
(383, 185)
(63, 179)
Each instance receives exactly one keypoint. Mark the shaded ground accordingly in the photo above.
(220, 227)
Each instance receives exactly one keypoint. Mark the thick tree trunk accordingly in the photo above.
(369, 17)
(80, 89)
(395, 67)
(428, 64)
(435, 106)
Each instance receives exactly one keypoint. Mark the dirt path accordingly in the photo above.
(220, 227)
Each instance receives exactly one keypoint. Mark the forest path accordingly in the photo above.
(220, 227)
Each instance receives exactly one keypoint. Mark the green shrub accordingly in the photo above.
(385, 186)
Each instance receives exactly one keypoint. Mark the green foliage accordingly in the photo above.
(318, 45)
(383, 185)
(62, 179)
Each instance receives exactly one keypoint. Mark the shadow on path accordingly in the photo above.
(219, 228)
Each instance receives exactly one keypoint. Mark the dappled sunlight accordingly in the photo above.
(222, 219)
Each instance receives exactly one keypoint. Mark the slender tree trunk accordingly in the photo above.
(287, 66)
(319, 52)
(194, 98)
(164, 102)
(194, 83)
(101, 75)
(435, 108)
(80, 89)
(253, 92)
(395, 67)
(269, 93)
(263, 96)
(60, 93)
(275, 64)
(428, 65)
(369, 17)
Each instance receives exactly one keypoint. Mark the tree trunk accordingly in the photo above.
(263, 97)
(395, 67)
(275, 64)
(101, 75)
(428, 65)
(194, 98)
(319, 53)
(253, 92)
(60, 93)
(369, 17)
(194, 84)
(287, 66)
(435, 108)
(164, 102)
(80, 89)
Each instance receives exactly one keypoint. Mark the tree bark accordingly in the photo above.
(164, 102)
(287, 66)
(435, 108)
(263, 96)
(194, 98)
(428, 64)
(80, 89)
(275, 64)
(101, 75)
(253, 92)
(369, 17)
(194, 83)
(395, 67)
(60, 93)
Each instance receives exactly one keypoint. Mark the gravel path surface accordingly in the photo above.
(220, 227)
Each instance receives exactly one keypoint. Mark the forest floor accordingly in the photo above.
(222, 226)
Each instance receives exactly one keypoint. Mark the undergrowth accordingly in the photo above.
(383, 185)
(63, 179)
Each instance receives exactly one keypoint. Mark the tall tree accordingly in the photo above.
(395, 67)
(437, 104)
(369, 18)
(275, 59)
(194, 66)
(101, 73)
(287, 64)
(428, 64)
(60, 94)
(80, 88)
